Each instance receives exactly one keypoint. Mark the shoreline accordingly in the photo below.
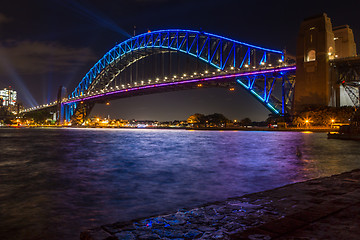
(322, 208)
(267, 129)
(190, 129)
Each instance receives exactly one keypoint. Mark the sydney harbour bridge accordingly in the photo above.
(175, 59)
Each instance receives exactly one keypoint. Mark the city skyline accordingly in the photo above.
(59, 41)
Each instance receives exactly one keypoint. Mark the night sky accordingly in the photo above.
(48, 43)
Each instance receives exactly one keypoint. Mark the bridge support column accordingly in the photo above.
(78, 112)
(60, 106)
(315, 47)
(320, 49)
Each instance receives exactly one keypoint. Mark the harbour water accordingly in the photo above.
(55, 183)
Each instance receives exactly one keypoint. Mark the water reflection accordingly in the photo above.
(57, 182)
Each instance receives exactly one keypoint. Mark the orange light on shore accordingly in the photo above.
(107, 103)
(232, 89)
(199, 85)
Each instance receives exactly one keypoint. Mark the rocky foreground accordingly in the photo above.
(324, 208)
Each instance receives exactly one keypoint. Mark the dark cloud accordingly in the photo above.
(41, 67)
(4, 19)
(34, 57)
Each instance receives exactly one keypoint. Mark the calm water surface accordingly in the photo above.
(54, 183)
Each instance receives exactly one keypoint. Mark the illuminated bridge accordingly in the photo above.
(169, 60)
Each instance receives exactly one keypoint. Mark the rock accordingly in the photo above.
(149, 236)
(168, 233)
(259, 237)
(193, 234)
(218, 235)
(205, 228)
(96, 234)
(234, 226)
(125, 235)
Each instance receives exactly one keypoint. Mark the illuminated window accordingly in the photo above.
(311, 56)
(331, 53)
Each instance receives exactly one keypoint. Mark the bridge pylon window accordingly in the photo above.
(311, 56)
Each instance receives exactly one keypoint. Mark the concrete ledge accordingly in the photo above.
(288, 212)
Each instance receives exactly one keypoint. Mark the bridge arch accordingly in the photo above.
(247, 62)
(217, 51)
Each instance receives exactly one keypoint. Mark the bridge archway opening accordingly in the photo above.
(179, 105)
(311, 56)
(139, 68)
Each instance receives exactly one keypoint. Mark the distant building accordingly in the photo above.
(8, 97)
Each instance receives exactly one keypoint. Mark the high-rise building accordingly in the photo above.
(8, 97)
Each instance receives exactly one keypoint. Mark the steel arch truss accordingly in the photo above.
(217, 51)
(263, 87)
(348, 75)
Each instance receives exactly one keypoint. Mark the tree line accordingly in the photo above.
(215, 120)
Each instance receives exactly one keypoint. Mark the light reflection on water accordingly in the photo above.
(55, 183)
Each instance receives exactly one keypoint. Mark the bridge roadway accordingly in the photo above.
(168, 84)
